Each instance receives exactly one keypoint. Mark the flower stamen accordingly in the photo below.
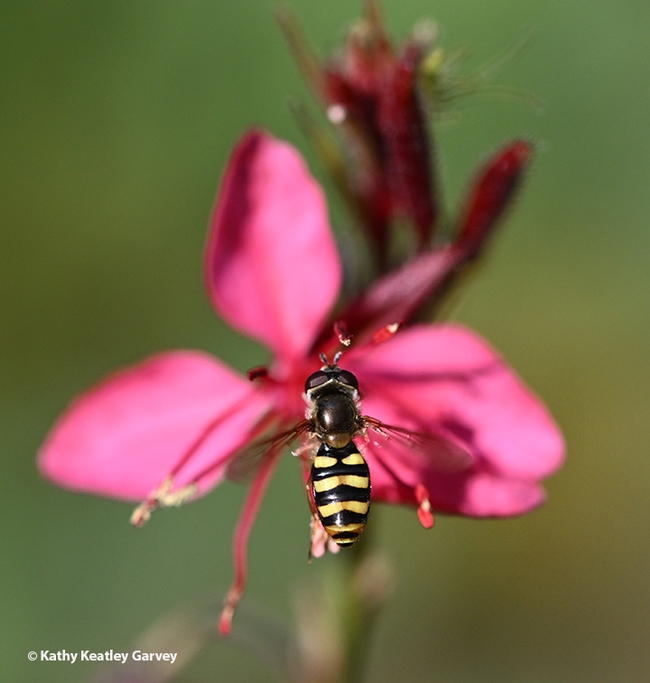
(258, 372)
(240, 541)
(203, 436)
(385, 333)
(163, 496)
(424, 506)
(142, 513)
(320, 540)
(342, 334)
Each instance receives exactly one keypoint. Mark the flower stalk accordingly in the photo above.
(336, 618)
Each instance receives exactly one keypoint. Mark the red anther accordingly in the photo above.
(228, 612)
(230, 605)
(424, 506)
(224, 626)
(143, 512)
(257, 372)
(385, 333)
(421, 493)
(342, 334)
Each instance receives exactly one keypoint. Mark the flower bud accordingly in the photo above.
(492, 193)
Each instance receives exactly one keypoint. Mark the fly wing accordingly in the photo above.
(434, 449)
(244, 466)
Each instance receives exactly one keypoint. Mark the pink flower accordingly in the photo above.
(169, 429)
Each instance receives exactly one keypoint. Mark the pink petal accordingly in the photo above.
(475, 493)
(444, 377)
(123, 437)
(488, 495)
(272, 267)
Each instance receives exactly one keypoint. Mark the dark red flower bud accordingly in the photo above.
(490, 196)
(369, 91)
(406, 144)
(418, 286)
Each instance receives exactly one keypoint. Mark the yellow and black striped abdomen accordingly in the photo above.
(340, 482)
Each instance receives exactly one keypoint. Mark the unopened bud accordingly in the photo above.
(491, 195)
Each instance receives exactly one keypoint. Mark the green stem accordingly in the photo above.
(364, 584)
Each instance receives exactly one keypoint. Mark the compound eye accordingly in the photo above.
(347, 377)
(315, 380)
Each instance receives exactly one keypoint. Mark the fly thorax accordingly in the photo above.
(335, 412)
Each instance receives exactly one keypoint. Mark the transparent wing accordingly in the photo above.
(244, 466)
(433, 450)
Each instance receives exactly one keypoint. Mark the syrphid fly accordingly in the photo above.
(339, 484)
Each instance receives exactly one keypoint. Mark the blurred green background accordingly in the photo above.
(116, 122)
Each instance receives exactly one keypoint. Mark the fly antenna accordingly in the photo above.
(335, 360)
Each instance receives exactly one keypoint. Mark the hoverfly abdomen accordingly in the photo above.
(340, 482)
